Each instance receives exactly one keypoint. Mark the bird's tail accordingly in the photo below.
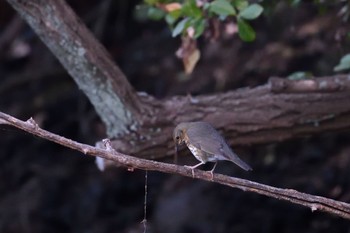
(241, 163)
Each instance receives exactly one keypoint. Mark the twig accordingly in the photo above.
(144, 221)
(328, 205)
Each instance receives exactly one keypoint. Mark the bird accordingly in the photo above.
(206, 144)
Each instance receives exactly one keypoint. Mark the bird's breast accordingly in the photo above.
(198, 153)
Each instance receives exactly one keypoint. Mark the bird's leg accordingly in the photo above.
(212, 171)
(193, 167)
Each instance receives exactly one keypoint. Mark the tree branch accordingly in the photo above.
(142, 125)
(246, 116)
(338, 208)
(86, 60)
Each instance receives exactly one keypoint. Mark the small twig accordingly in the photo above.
(144, 221)
(328, 205)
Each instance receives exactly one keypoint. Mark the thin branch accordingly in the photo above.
(338, 208)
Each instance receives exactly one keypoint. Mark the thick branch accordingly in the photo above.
(86, 60)
(314, 202)
(246, 116)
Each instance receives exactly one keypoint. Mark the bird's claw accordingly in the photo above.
(212, 175)
(192, 169)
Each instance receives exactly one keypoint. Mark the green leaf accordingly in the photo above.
(155, 13)
(300, 75)
(344, 63)
(241, 4)
(199, 27)
(341, 67)
(191, 9)
(206, 6)
(245, 31)
(222, 8)
(176, 13)
(150, 2)
(345, 59)
(180, 27)
(172, 17)
(251, 12)
(295, 2)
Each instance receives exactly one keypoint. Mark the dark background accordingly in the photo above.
(47, 188)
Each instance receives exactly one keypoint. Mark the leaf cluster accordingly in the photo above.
(181, 15)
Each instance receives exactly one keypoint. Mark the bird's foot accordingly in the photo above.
(212, 175)
(212, 171)
(192, 169)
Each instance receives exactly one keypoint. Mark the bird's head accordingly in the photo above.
(179, 134)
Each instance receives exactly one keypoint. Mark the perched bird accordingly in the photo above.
(206, 144)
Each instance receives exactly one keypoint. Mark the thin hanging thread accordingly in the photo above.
(144, 221)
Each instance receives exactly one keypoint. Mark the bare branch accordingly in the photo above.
(338, 208)
(246, 116)
(86, 60)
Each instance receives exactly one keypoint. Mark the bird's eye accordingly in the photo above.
(177, 137)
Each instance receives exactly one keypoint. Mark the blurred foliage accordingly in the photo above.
(344, 63)
(186, 16)
(195, 18)
(300, 75)
(190, 19)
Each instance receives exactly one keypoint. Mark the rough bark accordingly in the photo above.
(86, 60)
(246, 116)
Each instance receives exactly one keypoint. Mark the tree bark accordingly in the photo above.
(246, 116)
(86, 60)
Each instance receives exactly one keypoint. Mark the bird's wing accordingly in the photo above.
(208, 143)
(213, 143)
